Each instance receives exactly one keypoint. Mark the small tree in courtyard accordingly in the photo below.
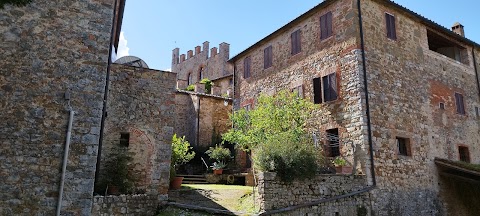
(276, 131)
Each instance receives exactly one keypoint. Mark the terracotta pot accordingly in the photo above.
(343, 170)
(218, 171)
(176, 183)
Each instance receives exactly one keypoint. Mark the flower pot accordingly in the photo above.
(343, 170)
(176, 183)
(218, 171)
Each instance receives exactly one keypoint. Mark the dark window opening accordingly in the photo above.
(333, 143)
(459, 103)
(267, 57)
(296, 44)
(298, 91)
(446, 47)
(403, 145)
(317, 90)
(124, 139)
(230, 81)
(246, 67)
(442, 105)
(326, 26)
(391, 30)
(248, 163)
(477, 111)
(201, 73)
(247, 107)
(189, 80)
(464, 154)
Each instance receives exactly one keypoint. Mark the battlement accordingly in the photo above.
(203, 54)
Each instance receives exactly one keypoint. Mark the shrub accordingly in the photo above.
(190, 88)
(219, 153)
(14, 2)
(119, 171)
(181, 153)
(208, 85)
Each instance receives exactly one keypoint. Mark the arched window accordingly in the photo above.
(201, 72)
(189, 79)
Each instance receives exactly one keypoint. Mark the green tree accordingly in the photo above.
(181, 153)
(14, 2)
(276, 131)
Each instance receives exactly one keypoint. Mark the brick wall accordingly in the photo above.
(141, 103)
(47, 49)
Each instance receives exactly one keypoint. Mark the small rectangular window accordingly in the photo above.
(295, 40)
(326, 26)
(459, 103)
(124, 139)
(403, 145)
(391, 31)
(246, 67)
(441, 105)
(330, 87)
(267, 57)
(477, 111)
(464, 154)
(333, 143)
(247, 107)
(298, 91)
(317, 90)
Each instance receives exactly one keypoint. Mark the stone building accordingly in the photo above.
(396, 88)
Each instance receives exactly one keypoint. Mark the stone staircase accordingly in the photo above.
(193, 179)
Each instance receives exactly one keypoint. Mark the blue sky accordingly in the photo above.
(153, 28)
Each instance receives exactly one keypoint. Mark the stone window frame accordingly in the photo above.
(441, 105)
(408, 146)
(461, 147)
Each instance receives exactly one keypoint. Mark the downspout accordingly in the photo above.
(476, 71)
(370, 143)
(65, 160)
(105, 96)
(365, 83)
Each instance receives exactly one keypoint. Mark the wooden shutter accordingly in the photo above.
(267, 57)
(293, 39)
(333, 86)
(323, 27)
(296, 43)
(246, 67)
(329, 24)
(460, 103)
(317, 90)
(391, 30)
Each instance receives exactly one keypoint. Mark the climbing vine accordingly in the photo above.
(14, 2)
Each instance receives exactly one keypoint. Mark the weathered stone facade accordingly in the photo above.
(275, 194)
(204, 63)
(50, 48)
(407, 81)
(141, 103)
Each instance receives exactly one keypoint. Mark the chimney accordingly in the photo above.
(458, 28)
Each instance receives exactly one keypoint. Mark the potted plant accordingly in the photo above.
(180, 154)
(218, 167)
(341, 166)
(119, 174)
(221, 155)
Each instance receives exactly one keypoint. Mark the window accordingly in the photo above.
(124, 139)
(296, 45)
(391, 31)
(190, 79)
(248, 107)
(298, 91)
(403, 145)
(333, 143)
(201, 73)
(464, 154)
(246, 67)
(329, 91)
(447, 47)
(477, 111)
(326, 26)
(459, 103)
(267, 57)
(441, 105)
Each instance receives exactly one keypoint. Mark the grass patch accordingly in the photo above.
(215, 187)
(172, 211)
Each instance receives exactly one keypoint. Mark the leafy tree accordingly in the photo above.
(276, 131)
(181, 153)
(14, 2)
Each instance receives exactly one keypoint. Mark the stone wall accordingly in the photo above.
(337, 54)
(125, 205)
(141, 103)
(407, 81)
(275, 194)
(212, 63)
(209, 124)
(49, 48)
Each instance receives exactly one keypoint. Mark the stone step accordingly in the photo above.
(194, 182)
(191, 176)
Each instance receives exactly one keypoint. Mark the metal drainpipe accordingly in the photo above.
(476, 71)
(372, 167)
(65, 160)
